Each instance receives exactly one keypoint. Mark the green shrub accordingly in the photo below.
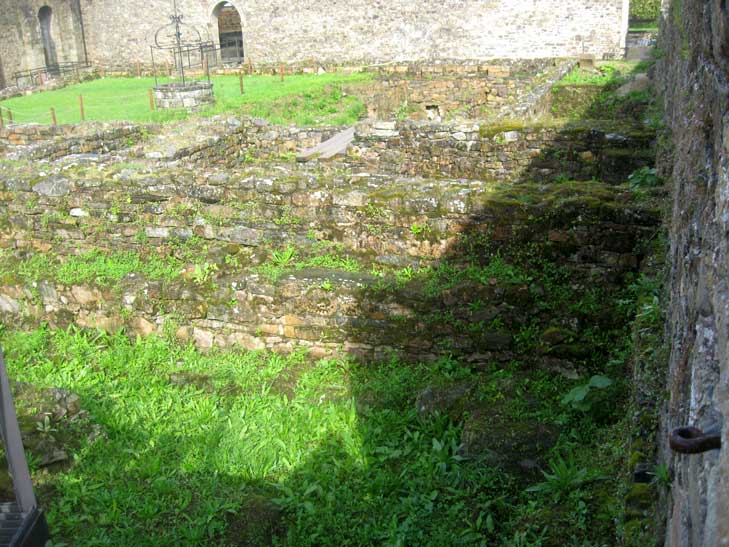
(645, 9)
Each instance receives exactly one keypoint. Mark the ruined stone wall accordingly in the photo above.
(694, 77)
(236, 218)
(52, 142)
(464, 90)
(21, 46)
(501, 152)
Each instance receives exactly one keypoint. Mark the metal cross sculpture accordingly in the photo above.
(178, 38)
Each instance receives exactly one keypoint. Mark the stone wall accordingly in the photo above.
(236, 219)
(502, 152)
(118, 34)
(52, 142)
(470, 89)
(694, 78)
(223, 140)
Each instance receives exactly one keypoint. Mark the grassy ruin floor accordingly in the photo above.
(252, 448)
(299, 99)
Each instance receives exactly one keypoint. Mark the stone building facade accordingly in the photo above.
(34, 33)
(112, 34)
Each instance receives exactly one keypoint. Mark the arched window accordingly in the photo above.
(49, 47)
(230, 32)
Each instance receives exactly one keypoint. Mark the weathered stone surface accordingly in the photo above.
(54, 186)
(52, 423)
(9, 305)
(692, 78)
(582, 152)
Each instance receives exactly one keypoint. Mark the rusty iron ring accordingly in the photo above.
(691, 440)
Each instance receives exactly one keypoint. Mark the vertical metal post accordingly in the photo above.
(14, 445)
(154, 65)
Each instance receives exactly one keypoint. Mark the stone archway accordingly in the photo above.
(230, 32)
(45, 15)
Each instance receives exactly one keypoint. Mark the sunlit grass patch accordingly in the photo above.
(298, 99)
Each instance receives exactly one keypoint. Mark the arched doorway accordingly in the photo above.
(49, 47)
(230, 32)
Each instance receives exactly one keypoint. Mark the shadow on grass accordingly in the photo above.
(435, 444)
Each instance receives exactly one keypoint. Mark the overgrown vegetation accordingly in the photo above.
(91, 267)
(230, 448)
(587, 93)
(299, 99)
(645, 9)
(251, 448)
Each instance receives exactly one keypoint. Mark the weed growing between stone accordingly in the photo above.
(91, 267)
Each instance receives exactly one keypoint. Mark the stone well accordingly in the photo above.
(190, 95)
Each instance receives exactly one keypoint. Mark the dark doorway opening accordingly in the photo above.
(49, 47)
(3, 85)
(230, 32)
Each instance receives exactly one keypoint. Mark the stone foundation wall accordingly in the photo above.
(694, 78)
(501, 152)
(243, 140)
(52, 142)
(236, 219)
(474, 90)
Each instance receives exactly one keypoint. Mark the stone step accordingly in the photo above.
(335, 146)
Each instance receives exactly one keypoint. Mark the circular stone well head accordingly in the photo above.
(190, 95)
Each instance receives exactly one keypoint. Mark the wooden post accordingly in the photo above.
(2, 122)
(53, 116)
(10, 116)
(139, 70)
(250, 66)
(240, 80)
(281, 71)
(151, 99)
(81, 107)
(102, 71)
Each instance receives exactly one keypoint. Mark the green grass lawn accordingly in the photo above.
(299, 99)
(642, 26)
(231, 447)
(605, 73)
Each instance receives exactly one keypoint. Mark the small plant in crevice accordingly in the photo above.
(203, 273)
(662, 476)
(642, 178)
(586, 397)
(563, 477)
(284, 257)
(419, 230)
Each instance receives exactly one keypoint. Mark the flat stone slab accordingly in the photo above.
(328, 149)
